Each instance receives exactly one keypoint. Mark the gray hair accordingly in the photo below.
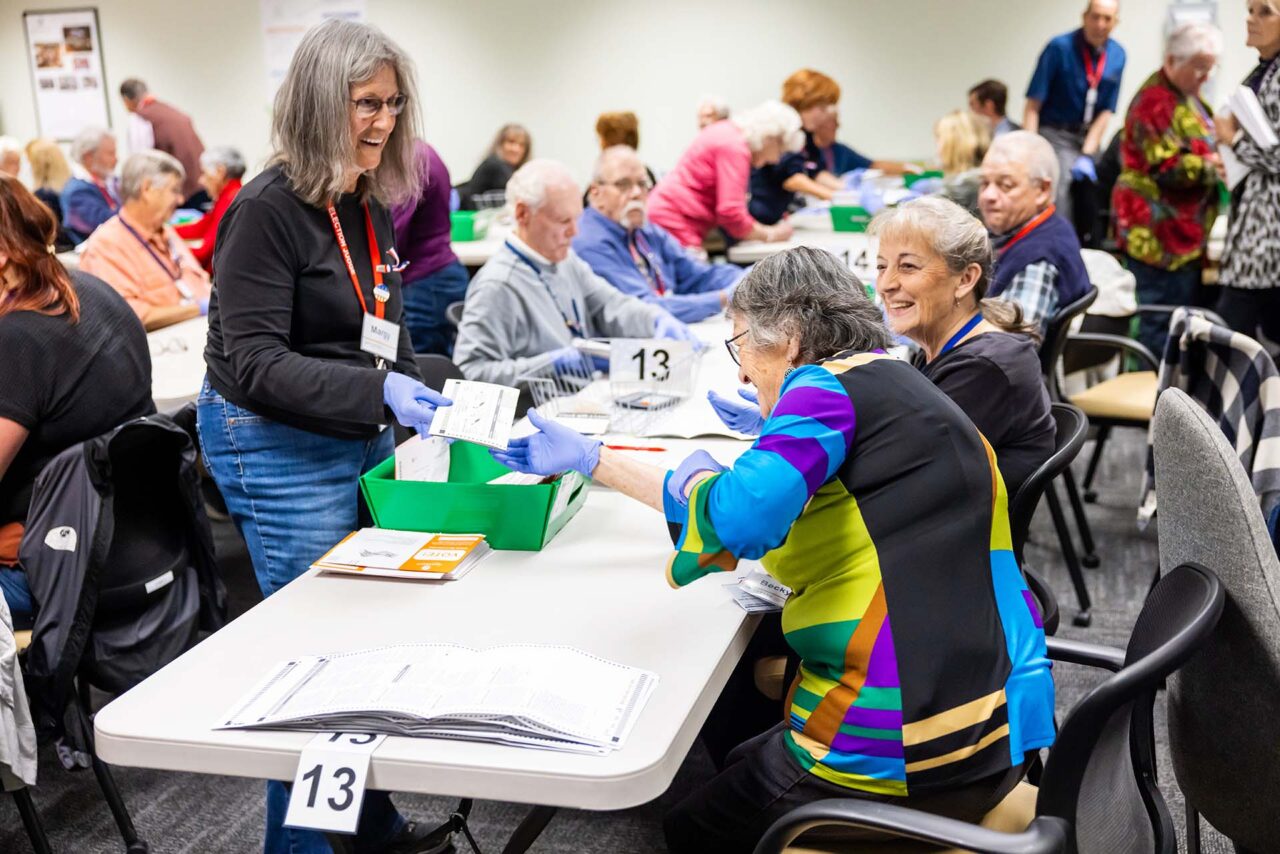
(959, 239)
(1189, 40)
(809, 295)
(133, 88)
(529, 183)
(87, 142)
(719, 106)
(611, 155)
(226, 157)
(770, 119)
(310, 128)
(144, 166)
(1021, 146)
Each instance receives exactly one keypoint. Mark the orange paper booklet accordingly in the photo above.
(405, 554)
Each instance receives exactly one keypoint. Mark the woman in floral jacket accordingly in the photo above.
(1166, 198)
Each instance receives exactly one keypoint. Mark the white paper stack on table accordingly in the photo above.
(481, 413)
(405, 554)
(547, 697)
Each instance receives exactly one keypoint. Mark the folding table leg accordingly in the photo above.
(529, 829)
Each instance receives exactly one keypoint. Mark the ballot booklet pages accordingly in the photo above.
(405, 554)
(525, 695)
(481, 413)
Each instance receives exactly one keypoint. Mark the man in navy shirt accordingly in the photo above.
(637, 257)
(1073, 94)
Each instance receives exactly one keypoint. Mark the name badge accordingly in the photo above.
(1090, 104)
(380, 338)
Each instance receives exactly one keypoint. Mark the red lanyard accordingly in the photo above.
(106, 194)
(380, 291)
(1031, 226)
(1093, 73)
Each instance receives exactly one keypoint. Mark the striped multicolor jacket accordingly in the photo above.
(874, 498)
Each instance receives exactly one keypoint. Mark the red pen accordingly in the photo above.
(632, 448)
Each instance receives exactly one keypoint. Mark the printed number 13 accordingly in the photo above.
(344, 788)
(660, 356)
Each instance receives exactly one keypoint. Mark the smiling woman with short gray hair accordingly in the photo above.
(308, 360)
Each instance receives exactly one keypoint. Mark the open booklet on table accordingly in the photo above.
(547, 697)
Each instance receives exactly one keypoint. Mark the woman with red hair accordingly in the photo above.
(76, 365)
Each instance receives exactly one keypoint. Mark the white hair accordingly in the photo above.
(9, 145)
(1021, 146)
(225, 156)
(718, 106)
(613, 154)
(770, 119)
(87, 142)
(144, 166)
(1189, 40)
(530, 182)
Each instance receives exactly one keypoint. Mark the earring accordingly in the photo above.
(789, 371)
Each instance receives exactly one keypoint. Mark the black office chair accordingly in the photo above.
(1052, 350)
(1072, 427)
(1098, 791)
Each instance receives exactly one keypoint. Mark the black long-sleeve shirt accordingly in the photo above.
(284, 321)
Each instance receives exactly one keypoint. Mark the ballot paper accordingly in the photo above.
(423, 459)
(1249, 113)
(481, 413)
(524, 695)
(376, 547)
(433, 557)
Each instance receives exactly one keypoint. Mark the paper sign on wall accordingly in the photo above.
(64, 50)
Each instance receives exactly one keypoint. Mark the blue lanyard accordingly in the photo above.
(964, 330)
(574, 326)
(651, 271)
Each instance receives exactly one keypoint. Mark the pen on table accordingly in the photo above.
(632, 448)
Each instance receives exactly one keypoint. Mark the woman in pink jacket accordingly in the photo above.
(708, 187)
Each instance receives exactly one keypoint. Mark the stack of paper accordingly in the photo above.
(1249, 113)
(548, 697)
(405, 554)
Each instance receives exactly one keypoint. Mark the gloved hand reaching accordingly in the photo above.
(698, 461)
(571, 360)
(1084, 170)
(412, 403)
(666, 326)
(553, 449)
(736, 416)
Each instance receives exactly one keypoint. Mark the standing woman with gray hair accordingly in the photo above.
(1250, 275)
(891, 639)
(1166, 198)
(308, 361)
(221, 169)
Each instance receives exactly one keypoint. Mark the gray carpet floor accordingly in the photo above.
(212, 815)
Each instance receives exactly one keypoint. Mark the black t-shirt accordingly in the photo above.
(68, 382)
(770, 201)
(284, 319)
(492, 174)
(995, 378)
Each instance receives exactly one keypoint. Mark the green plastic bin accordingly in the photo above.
(462, 226)
(909, 178)
(522, 518)
(850, 218)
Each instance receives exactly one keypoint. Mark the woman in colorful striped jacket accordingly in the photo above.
(923, 676)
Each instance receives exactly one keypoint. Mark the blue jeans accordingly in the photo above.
(292, 494)
(1161, 287)
(425, 301)
(17, 595)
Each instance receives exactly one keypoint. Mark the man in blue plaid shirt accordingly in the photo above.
(1038, 264)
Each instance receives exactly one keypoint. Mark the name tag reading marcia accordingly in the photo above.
(380, 338)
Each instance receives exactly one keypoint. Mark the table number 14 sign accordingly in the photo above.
(646, 359)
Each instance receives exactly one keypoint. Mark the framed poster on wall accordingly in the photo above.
(64, 48)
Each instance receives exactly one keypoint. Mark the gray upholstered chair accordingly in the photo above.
(1224, 704)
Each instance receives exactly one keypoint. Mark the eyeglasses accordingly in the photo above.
(735, 350)
(367, 108)
(626, 185)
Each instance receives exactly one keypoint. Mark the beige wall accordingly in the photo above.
(555, 64)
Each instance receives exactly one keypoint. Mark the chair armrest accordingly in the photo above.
(1210, 315)
(1045, 835)
(1090, 654)
(1119, 342)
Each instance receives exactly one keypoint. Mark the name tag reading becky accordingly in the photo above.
(380, 337)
